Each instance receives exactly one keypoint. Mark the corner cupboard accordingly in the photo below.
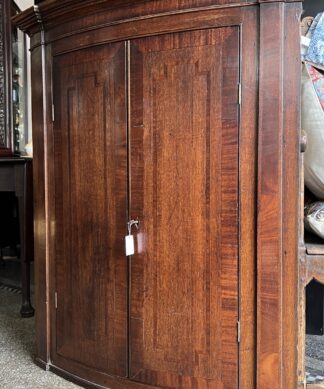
(171, 114)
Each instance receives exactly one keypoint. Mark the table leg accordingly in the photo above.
(1, 259)
(26, 309)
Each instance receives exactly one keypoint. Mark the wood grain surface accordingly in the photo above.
(68, 15)
(184, 188)
(205, 53)
(278, 202)
(90, 156)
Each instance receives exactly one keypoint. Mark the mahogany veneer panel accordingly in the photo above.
(278, 202)
(90, 162)
(291, 200)
(184, 170)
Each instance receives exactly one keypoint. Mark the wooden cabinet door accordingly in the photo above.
(184, 146)
(90, 195)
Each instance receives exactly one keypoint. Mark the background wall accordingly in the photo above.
(313, 7)
(23, 4)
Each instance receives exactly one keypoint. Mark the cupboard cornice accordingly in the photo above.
(53, 15)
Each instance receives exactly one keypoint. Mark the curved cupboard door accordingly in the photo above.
(90, 162)
(152, 129)
(184, 144)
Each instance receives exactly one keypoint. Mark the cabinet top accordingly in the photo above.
(51, 14)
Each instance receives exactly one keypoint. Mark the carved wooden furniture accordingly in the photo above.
(315, 307)
(15, 173)
(13, 80)
(6, 135)
(311, 267)
(16, 177)
(315, 262)
(170, 113)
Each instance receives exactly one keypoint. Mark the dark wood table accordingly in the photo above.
(16, 175)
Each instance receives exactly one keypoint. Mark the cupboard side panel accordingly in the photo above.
(248, 190)
(40, 118)
(277, 192)
(292, 196)
(270, 202)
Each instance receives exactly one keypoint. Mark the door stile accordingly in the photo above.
(128, 140)
(239, 209)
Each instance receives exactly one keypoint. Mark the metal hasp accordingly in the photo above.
(130, 224)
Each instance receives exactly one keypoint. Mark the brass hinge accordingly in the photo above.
(55, 299)
(239, 93)
(53, 113)
(238, 332)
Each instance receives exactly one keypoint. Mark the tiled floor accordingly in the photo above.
(312, 378)
(17, 350)
(315, 348)
(314, 360)
(17, 343)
